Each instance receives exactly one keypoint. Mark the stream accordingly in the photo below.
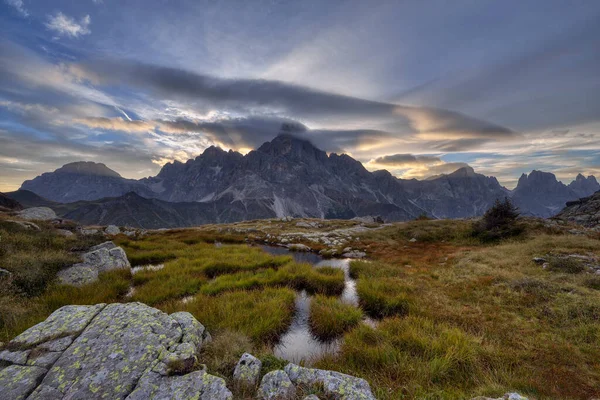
(298, 343)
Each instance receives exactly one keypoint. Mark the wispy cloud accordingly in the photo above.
(67, 26)
(19, 6)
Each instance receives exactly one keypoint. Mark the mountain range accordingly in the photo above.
(287, 176)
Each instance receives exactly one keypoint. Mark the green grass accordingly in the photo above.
(296, 276)
(330, 317)
(260, 315)
(383, 297)
(565, 265)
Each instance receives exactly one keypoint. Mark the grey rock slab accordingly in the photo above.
(78, 275)
(276, 385)
(14, 357)
(193, 331)
(104, 259)
(17, 381)
(247, 371)
(106, 245)
(335, 384)
(37, 213)
(109, 357)
(66, 321)
(112, 230)
(43, 359)
(195, 385)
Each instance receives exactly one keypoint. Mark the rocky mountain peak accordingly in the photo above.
(88, 168)
(584, 186)
(292, 147)
(464, 172)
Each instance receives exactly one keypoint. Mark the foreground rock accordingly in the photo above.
(38, 214)
(101, 258)
(282, 385)
(115, 351)
(247, 371)
(507, 396)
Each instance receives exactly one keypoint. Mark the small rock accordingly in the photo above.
(311, 397)
(276, 385)
(334, 384)
(247, 371)
(355, 254)
(413, 240)
(112, 230)
(4, 273)
(89, 232)
(64, 232)
(538, 260)
(298, 247)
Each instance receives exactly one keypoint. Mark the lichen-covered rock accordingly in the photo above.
(195, 385)
(64, 322)
(100, 258)
(334, 384)
(38, 213)
(247, 371)
(78, 275)
(112, 230)
(17, 382)
(113, 351)
(14, 357)
(276, 385)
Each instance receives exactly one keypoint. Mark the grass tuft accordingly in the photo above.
(330, 317)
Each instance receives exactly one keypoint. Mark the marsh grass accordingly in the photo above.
(330, 317)
(293, 275)
(261, 315)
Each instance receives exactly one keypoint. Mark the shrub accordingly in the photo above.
(499, 222)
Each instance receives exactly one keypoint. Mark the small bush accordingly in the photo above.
(330, 317)
(499, 222)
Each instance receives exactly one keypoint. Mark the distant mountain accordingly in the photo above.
(82, 181)
(583, 186)
(29, 199)
(541, 194)
(286, 176)
(460, 194)
(9, 204)
(585, 211)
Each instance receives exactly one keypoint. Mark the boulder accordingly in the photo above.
(276, 385)
(65, 233)
(115, 351)
(101, 258)
(112, 230)
(247, 371)
(336, 385)
(38, 213)
(298, 247)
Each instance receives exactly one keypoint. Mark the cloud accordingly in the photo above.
(406, 160)
(67, 26)
(19, 6)
(318, 109)
(115, 124)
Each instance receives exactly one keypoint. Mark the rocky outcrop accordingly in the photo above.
(112, 230)
(116, 351)
(585, 211)
(38, 214)
(247, 371)
(282, 385)
(101, 258)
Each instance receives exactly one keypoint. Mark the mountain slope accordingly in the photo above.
(585, 211)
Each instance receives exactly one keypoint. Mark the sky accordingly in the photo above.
(419, 88)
